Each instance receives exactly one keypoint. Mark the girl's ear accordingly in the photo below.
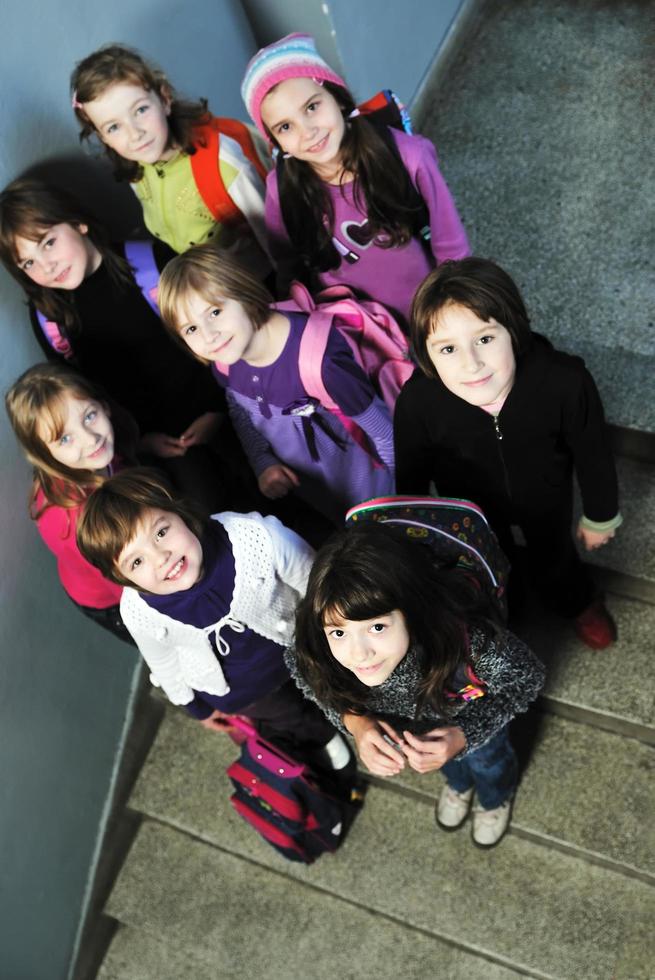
(83, 229)
(166, 97)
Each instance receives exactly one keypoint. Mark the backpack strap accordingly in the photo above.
(141, 257)
(206, 169)
(52, 333)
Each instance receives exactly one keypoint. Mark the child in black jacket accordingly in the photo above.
(498, 416)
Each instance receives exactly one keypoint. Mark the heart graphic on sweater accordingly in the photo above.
(358, 234)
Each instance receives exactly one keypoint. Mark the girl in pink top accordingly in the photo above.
(69, 433)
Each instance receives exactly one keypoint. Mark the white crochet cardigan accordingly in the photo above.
(271, 569)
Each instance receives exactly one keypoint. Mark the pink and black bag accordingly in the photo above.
(281, 798)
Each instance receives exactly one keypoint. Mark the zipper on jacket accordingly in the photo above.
(499, 439)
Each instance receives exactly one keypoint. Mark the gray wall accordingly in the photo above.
(64, 684)
(376, 45)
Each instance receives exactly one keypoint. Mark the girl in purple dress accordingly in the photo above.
(351, 200)
(294, 443)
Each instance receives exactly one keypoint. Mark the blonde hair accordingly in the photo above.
(113, 514)
(34, 403)
(115, 63)
(214, 276)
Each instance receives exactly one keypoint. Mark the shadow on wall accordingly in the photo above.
(91, 182)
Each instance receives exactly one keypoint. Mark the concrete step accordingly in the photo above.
(587, 792)
(243, 919)
(612, 689)
(542, 138)
(579, 919)
(137, 955)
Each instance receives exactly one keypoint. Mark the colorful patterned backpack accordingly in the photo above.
(456, 530)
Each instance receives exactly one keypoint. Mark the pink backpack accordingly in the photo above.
(378, 344)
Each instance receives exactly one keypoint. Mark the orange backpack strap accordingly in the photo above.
(206, 170)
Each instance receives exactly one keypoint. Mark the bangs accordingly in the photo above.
(50, 418)
(344, 597)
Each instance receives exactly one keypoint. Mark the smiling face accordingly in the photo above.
(216, 331)
(86, 439)
(370, 648)
(163, 557)
(306, 121)
(132, 121)
(474, 358)
(61, 257)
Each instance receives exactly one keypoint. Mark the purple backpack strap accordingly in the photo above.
(52, 333)
(141, 258)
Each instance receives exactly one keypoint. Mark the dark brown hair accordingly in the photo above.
(116, 63)
(483, 288)
(28, 208)
(383, 191)
(112, 516)
(215, 276)
(35, 402)
(369, 570)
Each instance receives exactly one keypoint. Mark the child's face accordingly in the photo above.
(306, 121)
(217, 331)
(370, 648)
(473, 357)
(133, 122)
(163, 557)
(87, 439)
(61, 258)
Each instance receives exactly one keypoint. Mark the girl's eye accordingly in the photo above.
(135, 564)
(448, 349)
(284, 128)
(50, 242)
(91, 416)
(486, 339)
(189, 330)
(336, 634)
(379, 627)
(161, 532)
(111, 129)
(313, 105)
(64, 440)
(141, 109)
(27, 265)
(215, 312)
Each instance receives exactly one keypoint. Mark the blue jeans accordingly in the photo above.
(492, 770)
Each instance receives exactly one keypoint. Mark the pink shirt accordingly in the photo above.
(83, 583)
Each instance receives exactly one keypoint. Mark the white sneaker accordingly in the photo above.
(337, 752)
(490, 826)
(452, 808)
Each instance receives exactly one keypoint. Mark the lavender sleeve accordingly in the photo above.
(255, 446)
(448, 238)
(278, 241)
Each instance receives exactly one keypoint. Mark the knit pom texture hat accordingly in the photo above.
(293, 56)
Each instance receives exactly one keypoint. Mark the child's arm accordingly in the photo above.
(585, 432)
(256, 447)
(415, 451)
(448, 238)
(513, 677)
(279, 245)
(292, 556)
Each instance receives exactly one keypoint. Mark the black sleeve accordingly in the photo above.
(163, 253)
(587, 435)
(414, 449)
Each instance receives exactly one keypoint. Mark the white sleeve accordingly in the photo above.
(161, 656)
(292, 556)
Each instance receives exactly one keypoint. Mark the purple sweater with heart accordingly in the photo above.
(389, 275)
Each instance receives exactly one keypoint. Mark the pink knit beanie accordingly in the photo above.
(293, 56)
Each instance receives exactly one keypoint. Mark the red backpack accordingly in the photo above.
(206, 171)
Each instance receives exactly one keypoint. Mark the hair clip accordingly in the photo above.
(74, 103)
(354, 113)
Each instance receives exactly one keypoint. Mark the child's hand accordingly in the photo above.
(162, 445)
(217, 722)
(202, 430)
(276, 481)
(593, 539)
(434, 749)
(375, 752)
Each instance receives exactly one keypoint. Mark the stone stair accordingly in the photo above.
(543, 98)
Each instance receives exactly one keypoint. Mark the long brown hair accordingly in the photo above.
(383, 190)
(369, 570)
(34, 403)
(116, 63)
(28, 208)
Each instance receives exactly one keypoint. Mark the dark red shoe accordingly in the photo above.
(595, 627)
